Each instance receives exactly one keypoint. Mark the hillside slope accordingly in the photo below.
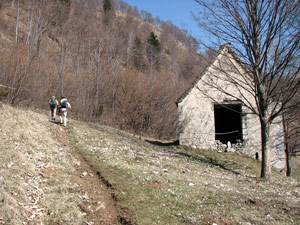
(92, 174)
(43, 178)
(124, 72)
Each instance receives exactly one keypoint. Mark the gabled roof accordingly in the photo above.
(227, 46)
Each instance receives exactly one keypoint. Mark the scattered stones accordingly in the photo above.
(269, 217)
(84, 174)
(217, 220)
(193, 220)
(9, 165)
(153, 165)
(172, 192)
(229, 147)
(84, 208)
(100, 206)
(220, 146)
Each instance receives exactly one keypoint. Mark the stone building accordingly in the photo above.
(213, 114)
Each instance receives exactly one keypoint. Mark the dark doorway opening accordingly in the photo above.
(228, 122)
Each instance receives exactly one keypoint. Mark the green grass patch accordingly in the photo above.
(295, 162)
(181, 185)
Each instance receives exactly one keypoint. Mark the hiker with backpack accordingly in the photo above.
(63, 110)
(53, 103)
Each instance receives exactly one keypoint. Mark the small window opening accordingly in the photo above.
(228, 123)
(256, 156)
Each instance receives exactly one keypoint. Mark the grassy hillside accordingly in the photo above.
(176, 185)
(45, 180)
(35, 171)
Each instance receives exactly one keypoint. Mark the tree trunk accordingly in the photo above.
(17, 22)
(288, 165)
(286, 147)
(265, 149)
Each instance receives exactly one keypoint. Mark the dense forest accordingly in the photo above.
(117, 65)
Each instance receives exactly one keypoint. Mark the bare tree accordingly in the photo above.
(265, 35)
(291, 120)
(112, 72)
(17, 20)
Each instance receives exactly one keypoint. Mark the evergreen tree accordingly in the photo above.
(153, 51)
(109, 12)
(153, 41)
(107, 6)
(67, 2)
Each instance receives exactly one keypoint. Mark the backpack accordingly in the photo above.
(64, 103)
(53, 102)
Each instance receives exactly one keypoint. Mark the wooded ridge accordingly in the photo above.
(116, 65)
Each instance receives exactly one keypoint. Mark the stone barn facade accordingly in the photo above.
(213, 114)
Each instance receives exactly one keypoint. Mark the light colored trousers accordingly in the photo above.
(63, 116)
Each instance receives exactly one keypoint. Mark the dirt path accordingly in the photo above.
(45, 180)
(101, 205)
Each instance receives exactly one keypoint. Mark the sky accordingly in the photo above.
(177, 11)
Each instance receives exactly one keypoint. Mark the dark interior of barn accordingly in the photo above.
(228, 122)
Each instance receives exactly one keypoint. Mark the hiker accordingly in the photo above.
(53, 103)
(63, 110)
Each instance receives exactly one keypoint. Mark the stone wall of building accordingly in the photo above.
(196, 114)
(196, 122)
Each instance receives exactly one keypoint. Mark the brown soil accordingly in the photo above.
(251, 202)
(102, 206)
(217, 220)
(156, 184)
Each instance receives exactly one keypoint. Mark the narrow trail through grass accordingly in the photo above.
(44, 178)
(178, 185)
(93, 174)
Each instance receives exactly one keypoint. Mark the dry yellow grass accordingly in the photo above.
(35, 171)
(40, 184)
